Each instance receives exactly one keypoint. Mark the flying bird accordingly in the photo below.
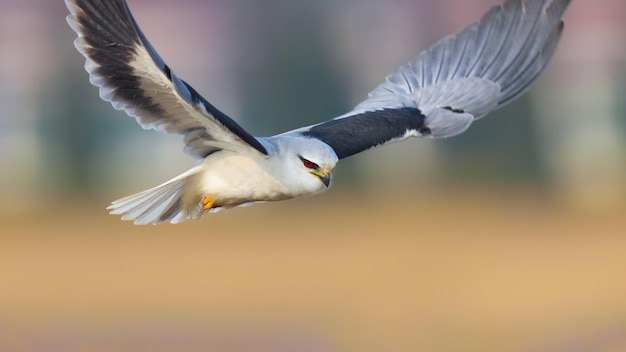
(439, 94)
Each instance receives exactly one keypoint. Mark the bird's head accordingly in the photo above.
(308, 164)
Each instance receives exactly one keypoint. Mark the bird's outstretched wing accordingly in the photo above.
(458, 80)
(133, 77)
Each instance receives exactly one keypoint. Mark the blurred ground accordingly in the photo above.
(479, 271)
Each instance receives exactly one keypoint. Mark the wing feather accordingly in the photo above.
(133, 77)
(461, 78)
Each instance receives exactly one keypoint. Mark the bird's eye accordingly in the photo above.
(309, 164)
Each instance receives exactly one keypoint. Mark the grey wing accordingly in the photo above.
(460, 79)
(133, 77)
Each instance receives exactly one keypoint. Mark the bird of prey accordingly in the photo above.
(439, 94)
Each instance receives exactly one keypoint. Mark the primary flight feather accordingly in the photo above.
(439, 94)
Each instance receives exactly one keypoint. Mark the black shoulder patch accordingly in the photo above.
(226, 121)
(354, 134)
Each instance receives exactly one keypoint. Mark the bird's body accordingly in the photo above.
(439, 94)
(227, 179)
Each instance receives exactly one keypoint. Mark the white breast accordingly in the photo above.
(231, 179)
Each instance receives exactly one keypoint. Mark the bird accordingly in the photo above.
(438, 94)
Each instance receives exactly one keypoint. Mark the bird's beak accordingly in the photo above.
(324, 176)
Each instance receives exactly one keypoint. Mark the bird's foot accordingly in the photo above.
(207, 203)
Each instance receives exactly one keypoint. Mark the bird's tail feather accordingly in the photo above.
(163, 203)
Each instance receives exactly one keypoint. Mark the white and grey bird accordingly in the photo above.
(439, 94)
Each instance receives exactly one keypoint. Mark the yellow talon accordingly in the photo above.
(207, 203)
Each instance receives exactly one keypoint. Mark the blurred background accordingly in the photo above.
(508, 237)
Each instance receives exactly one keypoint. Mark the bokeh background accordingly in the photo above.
(510, 237)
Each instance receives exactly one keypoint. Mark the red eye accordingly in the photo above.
(309, 164)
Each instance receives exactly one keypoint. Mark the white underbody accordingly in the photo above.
(226, 179)
(231, 179)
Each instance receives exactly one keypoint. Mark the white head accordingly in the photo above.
(306, 164)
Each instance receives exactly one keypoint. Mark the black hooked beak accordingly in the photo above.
(324, 176)
(325, 180)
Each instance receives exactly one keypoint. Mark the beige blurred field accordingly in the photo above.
(502, 271)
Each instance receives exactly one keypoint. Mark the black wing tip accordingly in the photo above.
(108, 39)
(104, 35)
(103, 22)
